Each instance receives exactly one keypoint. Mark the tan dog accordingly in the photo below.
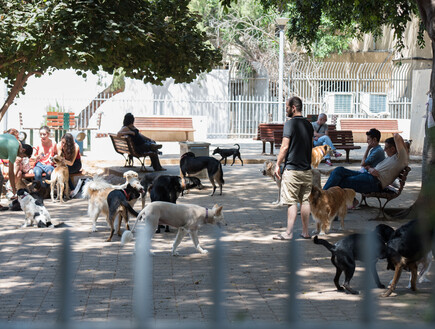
(97, 190)
(317, 154)
(186, 217)
(325, 205)
(59, 179)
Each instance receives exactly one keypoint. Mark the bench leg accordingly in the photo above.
(382, 216)
(264, 148)
(271, 148)
(347, 156)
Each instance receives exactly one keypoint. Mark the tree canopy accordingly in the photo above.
(151, 40)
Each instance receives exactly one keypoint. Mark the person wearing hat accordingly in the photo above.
(10, 148)
(374, 153)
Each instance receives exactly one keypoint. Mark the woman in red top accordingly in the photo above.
(43, 152)
(70, 150)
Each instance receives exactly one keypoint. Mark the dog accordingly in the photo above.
(325, 205)
(43, 190)
(34, 210)
(225, 153)
(191, 164)
(269, 170)
(97, 190)
(409, 246)
(348, 250)
(59, 178)
(117, 201)
(15, 204)
(317, 154)
(186, 217)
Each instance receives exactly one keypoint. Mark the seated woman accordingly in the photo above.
(141, 143)
(70, 150)
(44, 151)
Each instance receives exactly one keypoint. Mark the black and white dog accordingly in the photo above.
(225, 153)
(117, 201)
(34, 210)
(191, 164)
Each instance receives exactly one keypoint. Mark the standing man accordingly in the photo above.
(321, 137)
(10, 148)
(374, 153)
(295, 153)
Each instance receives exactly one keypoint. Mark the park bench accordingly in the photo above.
(343, 140)
(166, 129)
(359, 127)
(124, 146)
(389, 193)
(61, 120)
(266, 133)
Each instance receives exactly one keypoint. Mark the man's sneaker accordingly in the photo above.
(328, 162)
(338, 154)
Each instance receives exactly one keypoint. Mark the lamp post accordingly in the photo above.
(281, 22)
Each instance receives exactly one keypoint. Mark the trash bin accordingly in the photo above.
(199, 149)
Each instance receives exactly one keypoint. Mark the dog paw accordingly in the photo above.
(175, 253)
(322, 233)
(203, 251)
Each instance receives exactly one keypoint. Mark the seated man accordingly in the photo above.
(374, 153)
(321, 137)
(375, 179)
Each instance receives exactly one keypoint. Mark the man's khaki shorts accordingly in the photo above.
(296, 186)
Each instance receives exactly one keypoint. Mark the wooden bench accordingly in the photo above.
(266, 134)
(124, 146)
(388, 193)
(166, 129)
(343, 140)
(56, 120)
(359, 127)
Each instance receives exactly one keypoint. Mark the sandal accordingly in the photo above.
(280, 237)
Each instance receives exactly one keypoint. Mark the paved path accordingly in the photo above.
(257, 274)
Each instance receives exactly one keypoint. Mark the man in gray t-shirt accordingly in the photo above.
(321, 136)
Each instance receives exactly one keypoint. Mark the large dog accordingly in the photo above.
(325, 205)
(269, 170)
(59, 179)
(34, 210)
(225, 153)
(117, 200)
(317, 154)
(191, 164)
(186, 217)
(97, 190)
(409, 245)
(349, 249)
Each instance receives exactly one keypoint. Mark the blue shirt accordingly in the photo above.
(375, 156)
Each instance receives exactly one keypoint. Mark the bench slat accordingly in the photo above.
(155, 128)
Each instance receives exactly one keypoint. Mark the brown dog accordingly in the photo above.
(317, 154)
(59, 178)
(325, 205)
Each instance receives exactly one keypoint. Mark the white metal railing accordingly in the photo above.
(143, 301)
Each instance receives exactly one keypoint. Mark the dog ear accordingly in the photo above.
(218, 211)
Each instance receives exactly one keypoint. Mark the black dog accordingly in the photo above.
(117, 200)
(347, 250)
(191, 164)
(409, 245)
(42, 189)
(225, 153)
(168, 188)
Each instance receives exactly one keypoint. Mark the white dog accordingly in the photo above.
(97, 190)
(186, 217)
(33, 211)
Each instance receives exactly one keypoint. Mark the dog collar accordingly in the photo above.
(206, 213)
(126, 195)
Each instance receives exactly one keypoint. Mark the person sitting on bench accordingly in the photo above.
(375, 179)
(141, 143)
(321, 137)
(374, 153)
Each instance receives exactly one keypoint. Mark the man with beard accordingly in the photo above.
(295, 153)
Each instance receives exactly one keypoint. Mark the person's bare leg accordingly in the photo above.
(292, 212)
(305, 217)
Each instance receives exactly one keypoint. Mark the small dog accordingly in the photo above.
(348, 250)
(186, 217)
(59, 178)
(317, 154)
(191, 164)
(409, 246)
(15, 204)
(43, 190)
(97, 190)
(325, 205)
(34, 211)
(117, 200)
(225, 153)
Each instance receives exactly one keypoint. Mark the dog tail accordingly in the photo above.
(127, 236)
(325, 243)
(237, 146)
(221, 173)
